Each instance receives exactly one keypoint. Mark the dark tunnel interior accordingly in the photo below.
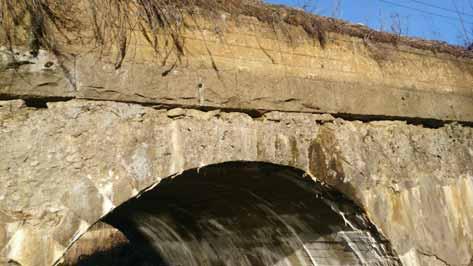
(247, 214)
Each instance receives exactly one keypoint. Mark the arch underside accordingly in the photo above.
(248, 214)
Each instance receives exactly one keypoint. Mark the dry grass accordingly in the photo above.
(41, 23)
(36, 21)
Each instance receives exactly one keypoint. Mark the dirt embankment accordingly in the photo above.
(41, 23)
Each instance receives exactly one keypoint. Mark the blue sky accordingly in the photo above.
(430, 19)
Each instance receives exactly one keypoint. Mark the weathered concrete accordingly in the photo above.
(242, 63)
(63, 168)
(86, 134)
(412, 181)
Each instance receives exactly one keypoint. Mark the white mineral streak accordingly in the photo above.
(178, 157)
(409, 258)
(16, 246)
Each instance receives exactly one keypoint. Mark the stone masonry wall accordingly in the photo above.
(64, 167)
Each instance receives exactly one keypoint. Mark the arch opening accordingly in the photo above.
(243, 213)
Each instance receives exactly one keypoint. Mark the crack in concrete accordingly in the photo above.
(433, 256)
(254, 113)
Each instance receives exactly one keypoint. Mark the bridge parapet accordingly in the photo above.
(240, 62)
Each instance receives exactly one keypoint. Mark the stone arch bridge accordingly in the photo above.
(75, 162)
(258, 146)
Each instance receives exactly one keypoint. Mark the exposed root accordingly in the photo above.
(52, 24)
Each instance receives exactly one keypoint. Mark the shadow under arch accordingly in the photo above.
(248, 213)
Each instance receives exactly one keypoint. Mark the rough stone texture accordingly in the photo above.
(65, 167)
(242, 63)
(415, 183)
